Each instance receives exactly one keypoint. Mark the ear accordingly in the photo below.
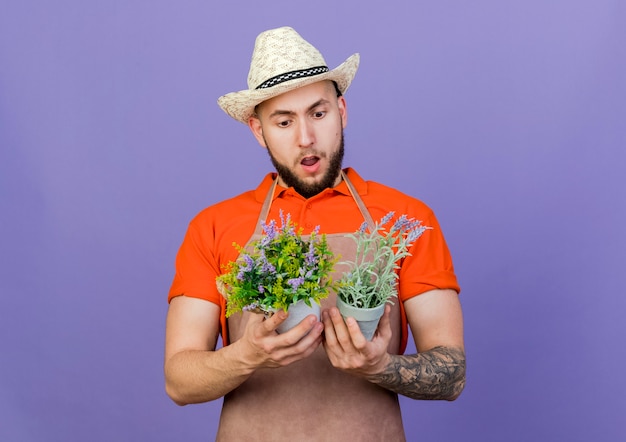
(343, 111)
(257, 130)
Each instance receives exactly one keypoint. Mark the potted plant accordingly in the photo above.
(371, 279)
(281, 270)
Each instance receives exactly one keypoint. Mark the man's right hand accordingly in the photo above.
(196, 372)
(261, 346)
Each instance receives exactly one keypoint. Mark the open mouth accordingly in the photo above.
(309, 161)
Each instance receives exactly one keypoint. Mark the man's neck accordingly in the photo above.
(338, 181)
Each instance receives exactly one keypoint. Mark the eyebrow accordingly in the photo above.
(310, 108)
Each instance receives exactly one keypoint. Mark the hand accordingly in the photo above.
(347, 348)
(260, 346)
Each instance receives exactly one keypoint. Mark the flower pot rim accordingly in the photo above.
(273, 310)
(339, 300)
(358, 313)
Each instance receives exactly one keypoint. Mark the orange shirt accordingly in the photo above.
(208, 243)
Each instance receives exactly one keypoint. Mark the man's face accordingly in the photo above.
(303, 133)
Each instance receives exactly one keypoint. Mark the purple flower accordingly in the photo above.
(416, 233)
(246, 266)
(309, 257)
(401, 224)
(286, 226)
(295, 282)
(264, 264)
(250, 307)
(270, 232)
(363, 227)
(249, 261)
(386, 218)
(268, 267)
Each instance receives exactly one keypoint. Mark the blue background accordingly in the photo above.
(507, 117)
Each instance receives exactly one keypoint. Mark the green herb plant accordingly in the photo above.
(371, 278)
(281, 268)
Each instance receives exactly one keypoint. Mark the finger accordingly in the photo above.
(356, 335)
(330, 337)
(341, 330)
(306, 349)
(271, 323)
(299, 342)
(311, 339)
(384, 325)
(308, 325)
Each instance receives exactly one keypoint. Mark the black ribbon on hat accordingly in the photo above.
(303, 73)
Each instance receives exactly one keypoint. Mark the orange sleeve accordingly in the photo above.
(429, 267)
(430, 264)
(196, 270)
(196, 267)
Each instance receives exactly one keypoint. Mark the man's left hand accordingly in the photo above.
(347, 348)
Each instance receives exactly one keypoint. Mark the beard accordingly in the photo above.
(305, 189)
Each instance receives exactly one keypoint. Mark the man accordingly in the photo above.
(320, 380)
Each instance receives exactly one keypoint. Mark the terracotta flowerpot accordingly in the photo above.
(367, 318)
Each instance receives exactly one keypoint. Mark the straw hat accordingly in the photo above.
(282, 61)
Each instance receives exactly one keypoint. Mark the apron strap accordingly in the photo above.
(359, 202)
(265, 209)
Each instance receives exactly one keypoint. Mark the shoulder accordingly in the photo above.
(226, 208)
(381, 199)
(213, 219)
(378, 190)
(242, 206)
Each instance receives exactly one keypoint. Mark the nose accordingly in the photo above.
(306, 135)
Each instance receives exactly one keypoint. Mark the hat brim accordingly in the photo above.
(240, 105)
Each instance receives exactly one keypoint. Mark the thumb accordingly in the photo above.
(272, 322)
(384, 326)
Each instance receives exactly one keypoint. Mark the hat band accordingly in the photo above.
(292, 76)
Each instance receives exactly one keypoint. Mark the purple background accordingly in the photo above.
(507, 118)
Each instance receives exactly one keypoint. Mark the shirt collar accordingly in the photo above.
(266, 184)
